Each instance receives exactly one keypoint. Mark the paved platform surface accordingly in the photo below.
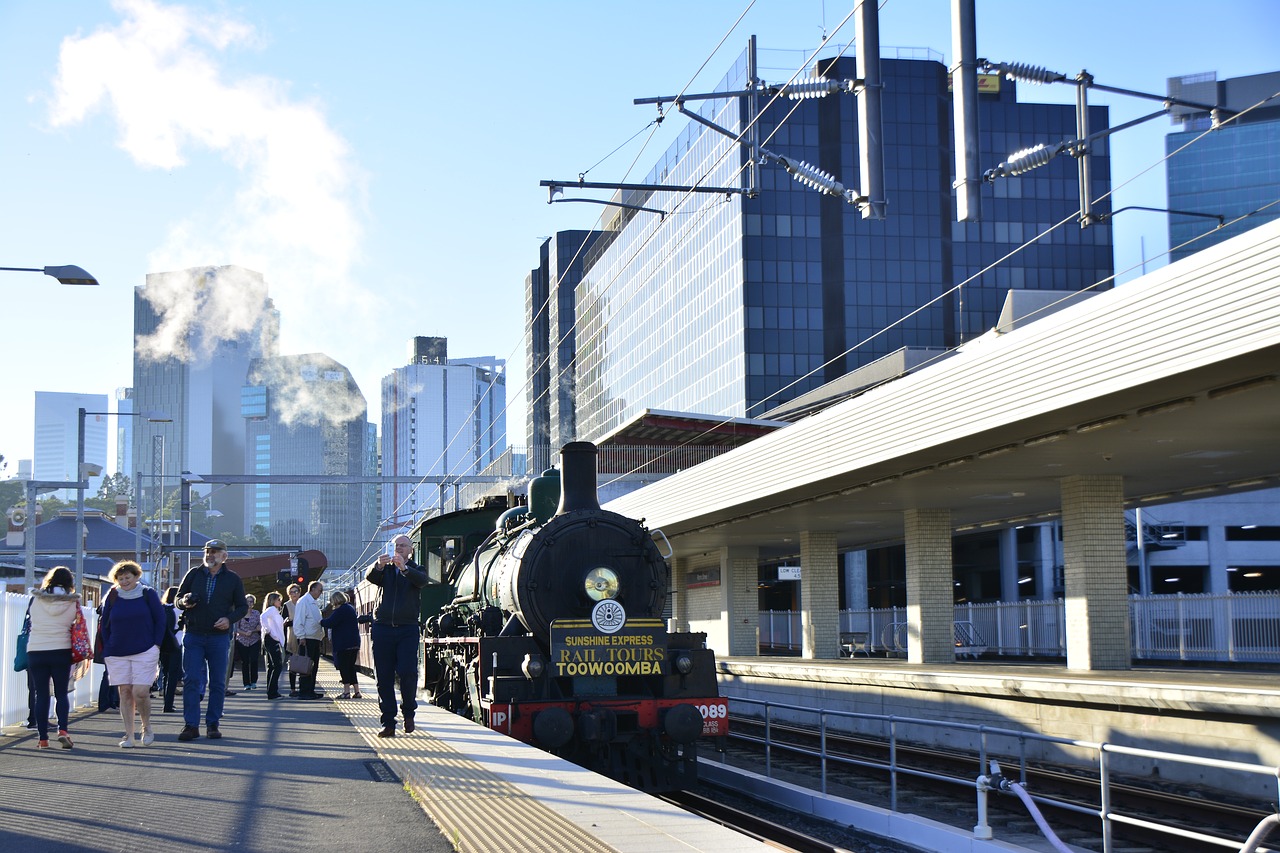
(286, 776)
(290, 776)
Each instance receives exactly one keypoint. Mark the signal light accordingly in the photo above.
(284, 577)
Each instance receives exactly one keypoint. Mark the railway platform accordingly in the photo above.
(1220, 713)
(290, 775)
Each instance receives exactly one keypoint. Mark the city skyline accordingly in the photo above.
(161, 185)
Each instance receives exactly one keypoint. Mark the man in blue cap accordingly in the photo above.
(211, 597)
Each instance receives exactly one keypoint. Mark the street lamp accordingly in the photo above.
(69, 274)
(86, 470)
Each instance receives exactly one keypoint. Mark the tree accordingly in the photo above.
(12, 493)
(116, 485)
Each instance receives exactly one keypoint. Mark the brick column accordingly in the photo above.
(740, 571)
(819, 595)
(679, 594)
(930, 600)
(1096, 584)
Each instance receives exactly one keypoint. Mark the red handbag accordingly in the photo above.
(81, 648)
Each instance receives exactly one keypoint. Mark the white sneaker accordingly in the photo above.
(127, 742)
(148, 738)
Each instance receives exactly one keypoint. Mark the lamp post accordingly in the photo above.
(84, 471)
(69, 274)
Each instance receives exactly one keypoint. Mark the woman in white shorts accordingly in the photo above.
(133, 625)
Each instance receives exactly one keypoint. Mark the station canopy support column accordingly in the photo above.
(930, 599)
(1096, 582)
(819, 595)
(740, 567)
(679, 594)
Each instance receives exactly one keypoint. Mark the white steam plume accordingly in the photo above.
(160, 74)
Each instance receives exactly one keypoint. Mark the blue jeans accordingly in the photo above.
(52, 664)
(204, 667)
(395, 656)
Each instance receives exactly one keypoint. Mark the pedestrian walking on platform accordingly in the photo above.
(294, 591)
(54, 605)
(273, 642)
(395, 631)
(306, 624)
(211, 597)
(171, 650)
(345, 642)
(133, 625)
(249, 644)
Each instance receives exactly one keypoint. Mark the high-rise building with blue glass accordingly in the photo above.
(195, 333)
(1232, 171)
(441, 418)
(305, 415)
(730, 305)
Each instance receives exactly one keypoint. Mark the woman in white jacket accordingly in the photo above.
(54, 605)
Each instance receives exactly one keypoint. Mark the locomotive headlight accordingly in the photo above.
(533, 666)
(602, 583)
(684, 663)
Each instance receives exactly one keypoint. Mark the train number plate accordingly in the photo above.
(715, 717)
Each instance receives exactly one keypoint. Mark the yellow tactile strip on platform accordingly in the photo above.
(477, 810)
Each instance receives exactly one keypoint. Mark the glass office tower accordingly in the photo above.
(304, 414)
(731, 305)
(1233, 171)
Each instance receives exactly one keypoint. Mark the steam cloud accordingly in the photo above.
(292, 216)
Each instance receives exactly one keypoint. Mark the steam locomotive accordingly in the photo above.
(552, 633)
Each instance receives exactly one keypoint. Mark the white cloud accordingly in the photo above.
(163, 75)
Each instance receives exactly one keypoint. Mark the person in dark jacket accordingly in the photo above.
(341, 621)
(395, 632)
(171, 653)
(211, 597)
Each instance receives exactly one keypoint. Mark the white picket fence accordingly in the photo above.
(13, 685)
(1235, 627)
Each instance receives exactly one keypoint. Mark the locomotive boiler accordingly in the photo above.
(555, 636)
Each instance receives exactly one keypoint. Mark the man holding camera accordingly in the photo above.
(395, 631)
(211, 597)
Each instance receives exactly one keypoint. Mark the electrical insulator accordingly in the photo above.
(816, 88)
(1025, 73)
(1029, 158)
(812, 176)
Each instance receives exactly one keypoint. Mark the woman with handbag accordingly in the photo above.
(346, 642)
(133, 628)
(294, 591)
(54, 605)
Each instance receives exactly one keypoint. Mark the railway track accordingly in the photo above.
(860, 772)
(775, 827)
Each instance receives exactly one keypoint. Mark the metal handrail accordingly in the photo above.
(1104, 812)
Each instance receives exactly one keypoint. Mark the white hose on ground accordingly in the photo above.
(1039, 818)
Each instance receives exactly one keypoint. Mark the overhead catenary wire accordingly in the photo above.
(396, 511)
(704, 210)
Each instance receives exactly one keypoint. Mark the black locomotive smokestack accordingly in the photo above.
(577, 477)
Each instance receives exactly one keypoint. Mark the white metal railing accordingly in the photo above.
(1008, 746)
(1237, 626)
(13, 685)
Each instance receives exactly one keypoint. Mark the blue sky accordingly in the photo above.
(379, 162)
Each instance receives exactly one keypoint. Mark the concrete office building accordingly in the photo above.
(57, 438)
(304, 414)
(124, 433)
(196, 331)
(441, 417)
